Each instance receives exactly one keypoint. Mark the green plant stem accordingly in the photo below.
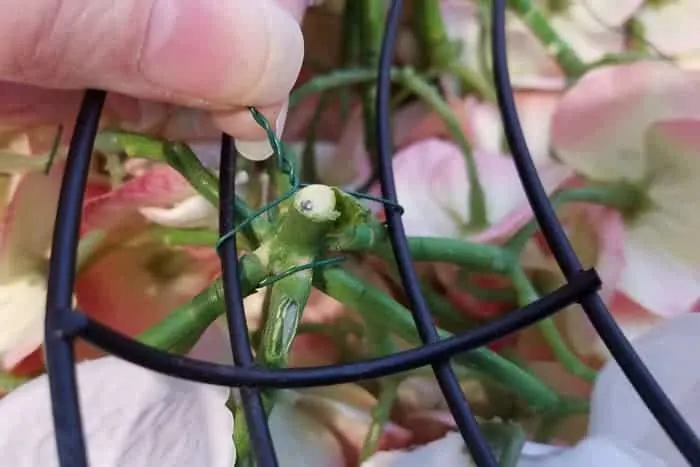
(424, 90)
(495, 259)
(350, 45)
(184, 237)
(179, 156)
(308, 157)
(436, 50)
(473, 82)
(380, 339)
(370, 28)
(9, 383)
(380, 414)
(183, 327)
(548, 328)
(569, 407)
(478, 257)
(332, 80)
(379, 309)
(626, 198)
(536, 20)
(185, 161)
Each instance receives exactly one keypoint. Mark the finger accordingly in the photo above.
(209, 53)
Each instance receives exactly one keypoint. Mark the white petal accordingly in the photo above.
(193, 212)
(656, 280)
(673, 28)
(615, 13)
(587, 35)
(449, 451)
(22, 308)
(299, 439)
(432, 186)
(593, 452)
(131, 416)
(617, 411)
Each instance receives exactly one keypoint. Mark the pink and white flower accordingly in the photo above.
(638, 125)
(127, 286)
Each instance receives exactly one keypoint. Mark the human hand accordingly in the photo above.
(180, 69)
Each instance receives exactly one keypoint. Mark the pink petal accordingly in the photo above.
(673, 28)
(132, 288)
(161, 186)
(507, 206)
(431, 183)
(599, 127)
(348, 164)
(432, 186)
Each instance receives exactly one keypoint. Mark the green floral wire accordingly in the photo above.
(54, 150)
(287, 168)
(314, 264)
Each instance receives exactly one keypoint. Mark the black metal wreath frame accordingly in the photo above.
(63, 324)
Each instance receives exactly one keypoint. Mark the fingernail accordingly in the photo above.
(261, 150)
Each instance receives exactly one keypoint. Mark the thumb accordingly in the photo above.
(205, 53)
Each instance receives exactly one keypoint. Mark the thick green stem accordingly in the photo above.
(378, 308)
(288, 299)
(381, 340)
(333, 80)
(473, 82)
(350, 45)
(380, 414)
(536, 20)
(183, 327)
(184, 237)
(423, 89)
(370, 35)
(479, 257)
(179, 156)
(185, 161)
(436, 50)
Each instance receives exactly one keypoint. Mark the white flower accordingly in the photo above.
(132, 417)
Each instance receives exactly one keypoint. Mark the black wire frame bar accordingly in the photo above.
(63, 325)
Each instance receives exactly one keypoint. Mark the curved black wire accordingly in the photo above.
(256, 420)
(62, 324)
(58, 340)
(447, 380)
(225, 375)
(639, 376)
